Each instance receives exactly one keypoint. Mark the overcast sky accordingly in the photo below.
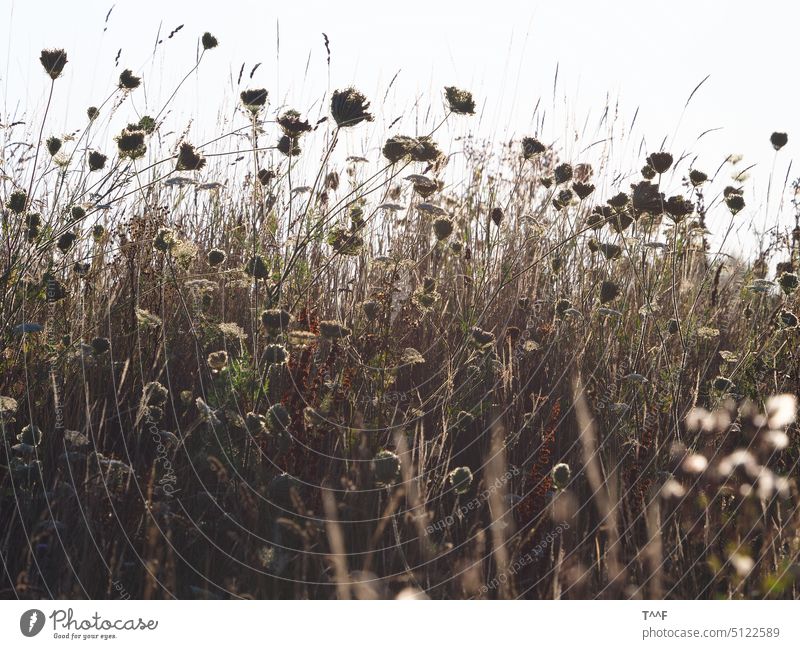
(644, 56)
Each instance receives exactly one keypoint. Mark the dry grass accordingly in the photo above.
(319, 379)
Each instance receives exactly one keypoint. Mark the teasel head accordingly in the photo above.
(54, 145)
(189, 159)
(531, 147)
(292, 125)
(349, 107)
(128, 80)
(53, 62)
(778, 140)
(209, 41)
(253, 99)
(660, 162)
(96, 161)
(459, 101)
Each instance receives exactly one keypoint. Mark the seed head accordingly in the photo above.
(53, 62)
(496, 215)
(275, 320)
(96, 161)
(65, 241)
(648, 173)
(131, 144)
(289, 146)
(165, 239)
(275, 354)
(461, 479)
(53, 145)
(253, 99)
(778, 140)
(92, 112)
(582, 189)
(531, 147)
(349, 107)
(562, 173)
(189, 159)
(257, 267)
(332, 330)
(386, 466)
(216, 257)
(561, 475)
(100, 345)
(442, 228)
(459, 101)
(265, 176)
(209, 42)
(697, 177)
(788, 282)
(660, 162)
(735, 203)
(128, 80)
(399, 147)
(292, 125)
(608, 291)
(17, 201)
(217, 360)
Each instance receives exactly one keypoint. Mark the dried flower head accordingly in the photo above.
(496, 215)
(257, 267)
(275, 354)
(209, 41)
(349, 107)
(131, 144)
(53, 145)
(332, 330)
(459, 101)
(17, 201)
(275, 320)
(778, 140)
(253, 99)
(608, 291)
(697, 177)
(216, 257)
(678, 208)
(217, 360)
(561, 475)
(425, 150)
(189, 159)
(266, 176)
(53, 62)
(66, 241)
(735, 203)
(461, 479)
(562, 173)
(648, 173)
(582, 189)
(100, 345)
(660, 162)
(289, 146)
(292, 125)
(386, 466)
(92, 113)
(96, 160)
(165, 239)
(399, 147)
(442, 228)
(788, 282)
(128, 80)
(531, 147)
(481, 337)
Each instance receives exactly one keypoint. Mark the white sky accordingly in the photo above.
(646, 55)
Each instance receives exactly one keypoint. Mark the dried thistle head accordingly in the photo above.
(53, 62)
(128, 80)
(459, 101)
(349, 107)
(189, 159)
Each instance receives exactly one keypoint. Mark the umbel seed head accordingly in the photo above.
(53, 62)
(660, 161)
(253, 99)
(460, 101)
(189, 159)
(16, 202)
(778, 140)
(349, 107)
(128, 80)
(53, 145)
(293, 125)
(96, 161)
(531, 147)
(208, 41)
